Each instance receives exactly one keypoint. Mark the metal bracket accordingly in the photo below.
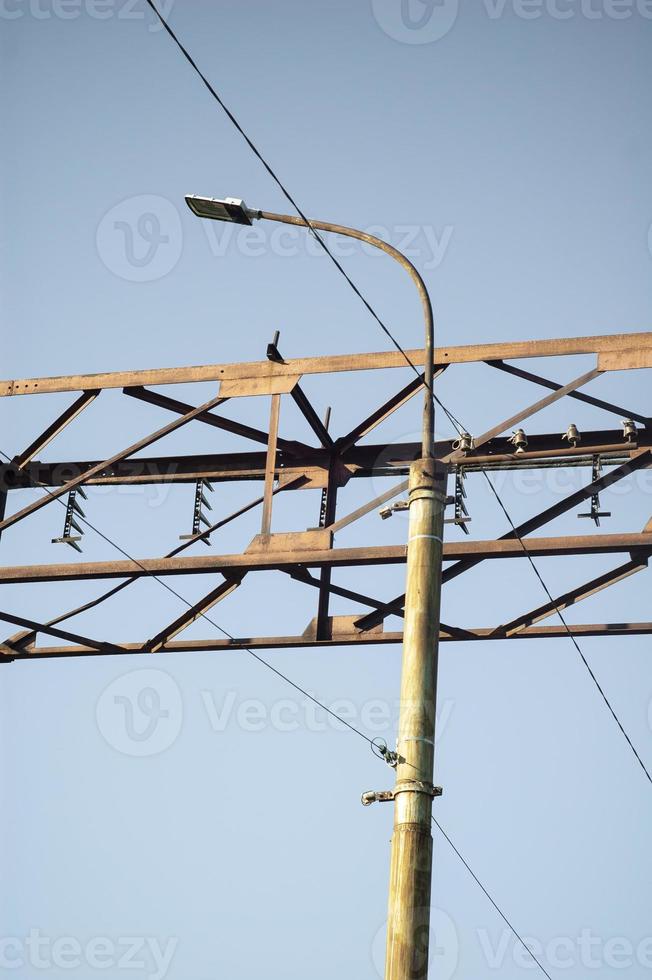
(409, 786)
(595, 513)
(461, 513)
(70, 523)
(198, 516)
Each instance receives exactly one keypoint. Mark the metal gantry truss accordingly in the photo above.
(328, 464)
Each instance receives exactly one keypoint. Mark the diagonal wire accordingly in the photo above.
(493, 902)
(379, 750)
(279, 183)
(190, 605)
(460, 428)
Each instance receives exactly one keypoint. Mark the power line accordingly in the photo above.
(396, 344)
(495, 905)
(380, 751)
(570, 634)
(279, 183)
(460, 428)
(156, 578)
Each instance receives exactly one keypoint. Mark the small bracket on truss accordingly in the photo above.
(392, 509)
(70, 523)
(198, 516)
(461, 512)
(595, 513)
(273, 353)
(408, 786)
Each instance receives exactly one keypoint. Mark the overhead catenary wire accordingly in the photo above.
(398, 346)
(378, 746)
(203, 615)
(457, 425)
(491, 899)
(279, 183)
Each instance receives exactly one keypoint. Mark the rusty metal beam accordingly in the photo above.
(385, 410)
(195, 612)
(573, 596)
(303, 404)
(383, 498)
(624, 413)
(53, 430)
(270, 465)
(267, 559)
(34, 627)
(106, 464)
(22, 637)
(218, 421)
(378, 459)
(333, 364)
(641, 460)
(526, 413)
(343, 638)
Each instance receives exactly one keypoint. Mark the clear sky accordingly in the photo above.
(506, 145)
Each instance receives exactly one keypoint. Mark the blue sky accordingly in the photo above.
(507, 148)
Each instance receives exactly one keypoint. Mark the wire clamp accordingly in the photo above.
(407, 786)
(380, 749)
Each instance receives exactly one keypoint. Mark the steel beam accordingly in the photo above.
(267, 559)
(344, 638)
(33, 627)
(331, 365)
(572, 597)
(53, 430)
(106, 464)
(193, 613)
(218, 421)
(379, 459)
(642, 460)
(386, 409)
(624, 413)
(527, 413)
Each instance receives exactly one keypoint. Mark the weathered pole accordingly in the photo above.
(411, 862)
(408, 924)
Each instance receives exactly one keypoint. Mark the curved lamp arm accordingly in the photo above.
(235, 210)
(428, 427)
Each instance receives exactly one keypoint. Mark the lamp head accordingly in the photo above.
(229, 209)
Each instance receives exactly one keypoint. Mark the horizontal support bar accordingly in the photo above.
(354, 638)
(332, 364)
(379, 459)
(268, 559)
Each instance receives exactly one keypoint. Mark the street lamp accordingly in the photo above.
(235, 210)
(408, 921)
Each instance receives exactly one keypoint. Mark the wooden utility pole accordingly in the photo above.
(408, 923)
